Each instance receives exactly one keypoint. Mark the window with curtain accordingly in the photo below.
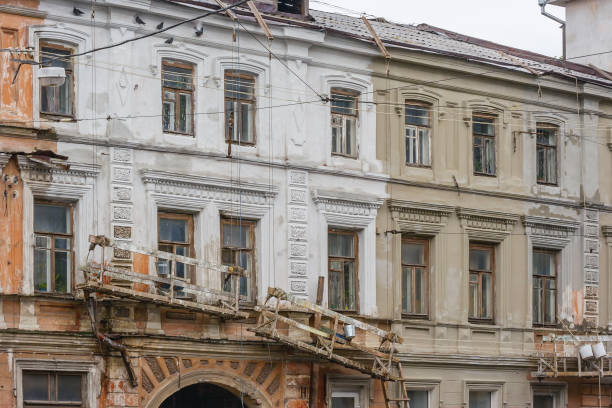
(177, 97)
(344, 117)
(342, 248)
(481, 293)
(415, 271)
(546, 153)
(483, 128)
(238, 248)
(544, 287)
(175, 235)
(53, 388)
(53, 236)
(239, 107)
(57, 100)
(418, 129)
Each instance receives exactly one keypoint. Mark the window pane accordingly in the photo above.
(62, 271)
(411, 147)
(489, 156)
(407, 290)
(350, 137)
(349, 285)
(417, 115)
(246, 115)
(413, 253)
(69, 387)
(551, 168)
(173, 230)
(550, 314)
(343, 402)
(185, 113)
(537, 300)
(239, 87)
(341, 245)
(236, 235)
(343, 103)
(52, 218)
(424, 147)
(418, 399)
(478, 168)
(336, 135)
(169, 115)
(335, 289)
(419, 291)
(543, 401)
(42, 269)
(480, 399)
(35, 387)
(480, 259)
(544, 263)
(547, 135)
(483, 126)
(487, 296)
(473, 295)
(177, 77)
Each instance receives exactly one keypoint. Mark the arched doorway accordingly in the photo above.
(204, 395)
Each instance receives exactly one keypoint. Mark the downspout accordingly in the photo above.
(543, 4)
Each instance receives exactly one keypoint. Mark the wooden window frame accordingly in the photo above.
(252, 225)
(425, 266)
(491, 249)
(545, 147)
(485, 137)
(253, 101)
(352, 94)
(427, 106)
(176, 91)
(555, 253)
(190, 275)
(52, 235)
(331, 259)
(44, 43)
(56, 403)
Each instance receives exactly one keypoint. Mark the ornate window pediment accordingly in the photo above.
(486, 225)
(347, 210)
(414, 217)
(549, 232)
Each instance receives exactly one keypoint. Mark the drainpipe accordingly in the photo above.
(543, 4)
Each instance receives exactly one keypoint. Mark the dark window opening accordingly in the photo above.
(204, 396)
(51, 388)
(290, 6)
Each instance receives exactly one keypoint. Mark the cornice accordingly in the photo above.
(22, 11)
(323, 197)
(76, 173)
(536, 224)
(426, 209)
(486, 216)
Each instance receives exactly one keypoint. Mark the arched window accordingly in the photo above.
(177, 97)
(417, 122)
(546, 153)
(59, 100)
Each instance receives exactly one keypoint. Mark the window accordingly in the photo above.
(57, 100)
(290, 6)
(53, 389)
(238, 248)
(544, 401)
(344, 115)
(483, 128)
(546, 156)
(418, 399)
(342, 266)
(53, 247)
(544, 287)
(177, 97)
(342, 399)
(549, 395)
(239, 107)
(175, 235)
(415, 270)
(480, 399)
(481, 282)
(417, 127)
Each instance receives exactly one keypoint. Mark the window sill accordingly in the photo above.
(56, 295)
(245, 144)
(344, 156)
(419, 166)
(482, 323)
(415, 318)
(485, 175)
(170, 133)
(54, 117)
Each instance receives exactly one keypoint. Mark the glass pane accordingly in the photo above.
(541, 165)
(62, 271)
(411, 145)
(230, 120)
(169, 116)
(483, 126)
(341, 245)
(43, 241)
(418, 399)
(350, 148)
(185, 113)
(246, 134)
(244, 287)
(42, 269)
(537, 304)
(551, 165)
(487, 296)
(480, 259)
(69, 387)
(35, 387)
(544, 263)
(237, 87)
(62, 243)
(424, 147)
(336, 138)
(413, 253)
(417, 115)
(407, 290)
(480, 399)
(349, 285)
(543, 401)
(547, 135)
(473, 296)
(419, 291)
(343, 103)
(173, 230)
(236, 235)
(489, 156)
(335, 290)
(53, 57)
(52, 218)
(343, 402)
(176, 77)
(477, 156)
(550, 314)
(181, 268)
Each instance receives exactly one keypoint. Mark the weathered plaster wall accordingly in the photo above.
(588, 31)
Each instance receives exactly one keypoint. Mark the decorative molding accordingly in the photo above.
(22, 11)
(426, 218)
(4, 159)
(347, 210)
(606, 230)
(549, 232)
(488, 225)
(297, 224)
(72, 183)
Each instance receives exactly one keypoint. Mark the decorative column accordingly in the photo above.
(121, 203)
(591, 267)
(297, 216)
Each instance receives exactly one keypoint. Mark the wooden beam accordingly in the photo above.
(519, 63)
(601, 72)
(229, 12)
(380, 44)
(260, 19)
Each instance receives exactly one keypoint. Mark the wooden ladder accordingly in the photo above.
(404, 401)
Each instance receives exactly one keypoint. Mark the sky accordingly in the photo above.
(517, 23)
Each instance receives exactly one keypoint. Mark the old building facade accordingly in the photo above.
(454, 196)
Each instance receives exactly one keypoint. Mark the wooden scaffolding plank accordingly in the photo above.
(377, 40)
(260, 20)
(228, 11)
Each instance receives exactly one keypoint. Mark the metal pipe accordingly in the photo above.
(543, 4)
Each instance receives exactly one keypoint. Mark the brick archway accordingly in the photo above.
(257, 381)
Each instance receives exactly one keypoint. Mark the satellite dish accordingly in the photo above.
(52, 76)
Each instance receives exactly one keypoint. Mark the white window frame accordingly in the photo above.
(495, 388)
(344, 119)
(556, 390)
(432, 387)
(341, 385)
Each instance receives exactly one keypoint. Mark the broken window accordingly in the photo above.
(53, 247)
(175, 235)
(415, 271)
(57, 100)
(483, 127)
(239, 107)
(344, 116)
(481, 282)
(546, 153)
(238, 248)
(44, 388)
(544, 287)
(418, 129)
(342, 260)
(177, 97)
